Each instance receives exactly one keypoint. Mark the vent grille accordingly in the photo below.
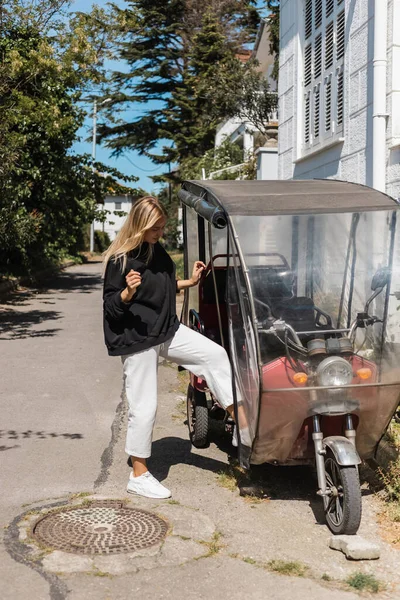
(340, 99)
(318, 13)
(329, 7)
(316, 111)
(340, 35)
(328, 105)
(318, 56)
(308, 19)
(329, 45)
(307, 65)
(307, 119)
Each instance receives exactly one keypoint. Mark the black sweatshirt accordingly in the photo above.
(149, 319)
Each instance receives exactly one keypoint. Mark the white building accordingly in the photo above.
(243, 133)
(118, 207)
(339, 91)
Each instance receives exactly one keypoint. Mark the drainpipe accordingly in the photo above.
(379, 97)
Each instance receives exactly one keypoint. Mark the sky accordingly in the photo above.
(131, 162)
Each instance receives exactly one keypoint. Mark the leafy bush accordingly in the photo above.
(101, 241)
(365, 582)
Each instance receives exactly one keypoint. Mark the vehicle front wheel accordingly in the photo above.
(197, 417)
(343, 504)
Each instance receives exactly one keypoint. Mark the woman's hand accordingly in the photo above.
(198, 268)
(133, 280)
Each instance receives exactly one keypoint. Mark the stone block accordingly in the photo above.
(355, 547)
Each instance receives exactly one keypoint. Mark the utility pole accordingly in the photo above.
(91, 247)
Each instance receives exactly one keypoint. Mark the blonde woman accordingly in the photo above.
(140, 324)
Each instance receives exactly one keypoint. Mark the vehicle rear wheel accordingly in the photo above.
(343, 505)
(197, 416)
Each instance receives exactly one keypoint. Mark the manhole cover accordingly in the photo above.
(100, 528)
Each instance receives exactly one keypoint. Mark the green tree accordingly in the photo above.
(46, 193)
(273, 21)
(226, 155)
(172, 48)
(242, 91)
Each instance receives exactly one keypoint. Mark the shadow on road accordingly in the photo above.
(4, 448)
(171, 451)
(12, 434)
(16, 325)
(84, 283)
(19, 324)
(277, 483)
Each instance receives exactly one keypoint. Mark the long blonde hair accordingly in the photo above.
(143, 215)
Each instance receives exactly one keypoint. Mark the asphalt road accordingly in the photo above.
(62, 433)
(59, 393)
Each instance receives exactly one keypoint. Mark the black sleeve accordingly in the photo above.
(114, 283)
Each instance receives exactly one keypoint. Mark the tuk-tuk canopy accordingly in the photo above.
(270, 197)
(292, 265)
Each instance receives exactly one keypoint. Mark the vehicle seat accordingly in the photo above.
(275, 287)
(208, 291)
(297, 311)
(271, 284)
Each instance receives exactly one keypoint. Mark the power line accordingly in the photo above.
(140, 168)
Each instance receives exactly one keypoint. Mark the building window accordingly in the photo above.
(118, 205)
(323, 75)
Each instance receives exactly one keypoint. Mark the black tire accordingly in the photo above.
(197, 417)
(343, 508)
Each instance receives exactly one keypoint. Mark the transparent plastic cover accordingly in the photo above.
(323, 286)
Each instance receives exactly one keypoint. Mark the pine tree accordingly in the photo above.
(210, 53)
(172, 48)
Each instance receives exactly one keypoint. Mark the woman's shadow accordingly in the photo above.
(170, 451)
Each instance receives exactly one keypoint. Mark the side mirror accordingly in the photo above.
(380, 279)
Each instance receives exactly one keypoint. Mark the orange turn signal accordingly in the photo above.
(300, 378)
(364, 373)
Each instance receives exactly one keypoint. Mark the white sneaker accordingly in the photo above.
(244, 437)
(147, 485)
(235, 442)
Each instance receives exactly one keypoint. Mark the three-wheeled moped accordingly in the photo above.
(302, 288)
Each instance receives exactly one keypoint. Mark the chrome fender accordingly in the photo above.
(343, 450)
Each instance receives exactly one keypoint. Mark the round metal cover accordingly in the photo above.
(100, 528)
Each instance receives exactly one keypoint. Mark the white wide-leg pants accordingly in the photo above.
(187, 348)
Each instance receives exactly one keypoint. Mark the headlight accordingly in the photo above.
(334, 371)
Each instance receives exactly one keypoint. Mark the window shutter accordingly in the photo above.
(318, 13)
(307, 65)
(318, 56)
(308, 19)
(317, 104)
(340, 98)
(340, 36)
(324, 51)
(307, 118)
(328, 104)
(329, 45)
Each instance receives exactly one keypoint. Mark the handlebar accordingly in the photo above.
(280, 326)
(363, 320)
